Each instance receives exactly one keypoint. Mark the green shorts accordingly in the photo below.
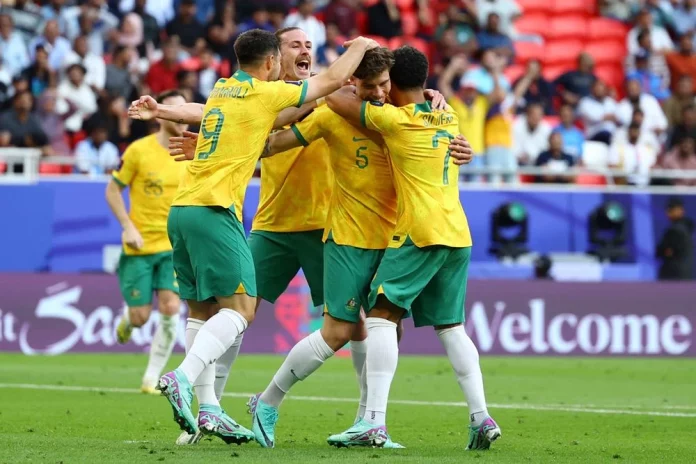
(279, 255)
(348, 272)
(140, 275)
(211, 255)
(429, 283)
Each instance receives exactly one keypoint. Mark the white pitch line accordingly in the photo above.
(524, 407)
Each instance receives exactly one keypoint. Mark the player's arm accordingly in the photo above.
(279, 142)
(114, 198)
(146, 108)
(346, 103)
(460, 150)
(291, 115)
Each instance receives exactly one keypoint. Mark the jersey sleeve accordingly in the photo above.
(279, 95)
(312, 127)
(379, 117)
(128, 169)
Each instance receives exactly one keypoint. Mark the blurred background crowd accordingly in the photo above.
(552, 84)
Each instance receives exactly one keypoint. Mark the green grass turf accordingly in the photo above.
(98, 427)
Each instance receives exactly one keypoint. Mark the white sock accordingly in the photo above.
(161, 348)
(382, 359)
(192, 328)
(464, 357)
(126, 316)
(224, 364)
(358, 353)
(213, 339)
(304, 358)
(204, 387)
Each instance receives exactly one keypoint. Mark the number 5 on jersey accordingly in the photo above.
(443, 134)
(212, 135)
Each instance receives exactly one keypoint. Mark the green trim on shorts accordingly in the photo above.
(139, 276)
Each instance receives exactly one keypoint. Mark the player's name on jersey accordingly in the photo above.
(437, 119)
(230, 92)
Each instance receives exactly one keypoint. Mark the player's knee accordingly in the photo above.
(169, 305)
(337, 335)
(139, 315)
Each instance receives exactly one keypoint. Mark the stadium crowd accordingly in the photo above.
(552, 84)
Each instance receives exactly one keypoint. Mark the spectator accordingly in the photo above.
(162, 75)
(575, 85)
(617, 9)
(461, 26)
(26, 16)
(507, 10)
(344, 15)
(471, 107)
(530, 135)
(118, 78)
(92, 19)
(161, 10)
(94, 64)
(598, 113)
(6, 90)
(277, 11)
(75, 90)
(536, 88)
(207, 74)
(647, 138)
(681, 97)
(655, 119)
(682, 62)
(40, 75)
(113, 115)
(498, 135)
(656, 61)
(685, 17)
(54, 9)
(185, 26)
(96, 155)
(12, 47)
(221, 32)
(20, 84)
(304, 19)
(687, 128)
(632, 157)
(491, 37)
(187, 84)
(130, 34)
(661, 12)
(661, 43)
(573, 138)
(151, 30)
(383, 19)
(58, 47)
(482, 76)
(676, 248)
(682, 158)
(555, 162)
(258, 20)
(23, 124)
(332, 49)
(650, 82)
(52, 115)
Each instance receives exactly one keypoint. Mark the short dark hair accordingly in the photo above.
(281, 32)
(169, 94)
(253, 46)
(374, 63)
(410, 69)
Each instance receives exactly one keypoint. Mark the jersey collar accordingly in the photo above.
(422, 107)
(241, 76)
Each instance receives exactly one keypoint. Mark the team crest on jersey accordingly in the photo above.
(135, 293)
(352, 305)
(153, 187)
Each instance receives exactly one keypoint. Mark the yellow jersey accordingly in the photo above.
(153, 177)
(238, 117)
(295, 189)
(472, 121)
(362, 213)
(426, 179)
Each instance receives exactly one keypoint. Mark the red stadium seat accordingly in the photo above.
(532, 24)
(514, 72)
(607, 52)
(535, 6)
(361, 22)
(525, 51)
(414, 42)
(612, 75)
(566, 27)
(590, 179)
(606, 29)
(379, 39)
(553, 121)
(562, 52)
(551, 73)
(405, 5)
(50, 168)
(573, 7)
(3, 168)
(409, 23)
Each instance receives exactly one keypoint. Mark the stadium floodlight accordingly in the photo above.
(607, 229)
(509, 231)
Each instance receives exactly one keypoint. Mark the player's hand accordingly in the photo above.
(183, 148)
(461, 151)
(369, 44)
(144, 108)
(436, 99)
(132, 237)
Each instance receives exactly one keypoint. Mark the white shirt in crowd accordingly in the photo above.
(94, 64)
(84, 100)
(593, 112)
(655, 119)
(529, 142)
(634, 160)
(506, 9)
(659, 39)
(161, 10)
(314, 29)
(93, 160)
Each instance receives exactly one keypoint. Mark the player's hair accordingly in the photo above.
(410, 69)
(374, 63)
(254, 46)
(169, 94)
(281, 32)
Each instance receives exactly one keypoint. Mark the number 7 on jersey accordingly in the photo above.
(443, 134)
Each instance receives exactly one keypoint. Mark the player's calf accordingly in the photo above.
(135, 316)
